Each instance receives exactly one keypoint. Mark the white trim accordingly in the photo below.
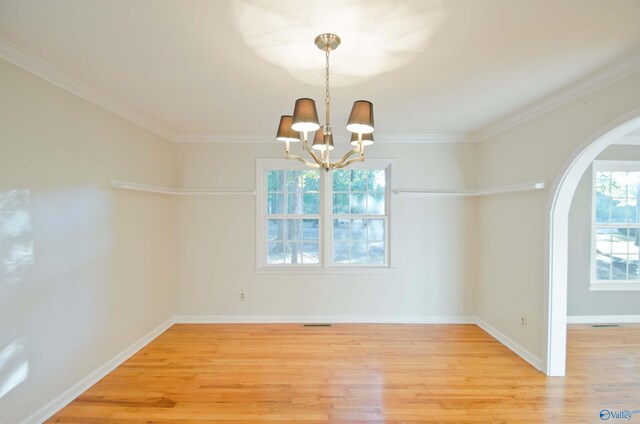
(612, 285)
(600, 78)
(269, 138)
(525, 354)
(539, 185)
(19, 57)
(603, 319)
(328, 319)
(334, 269)
(127, 185)
(557, 242)
(48, 410)
(629, 140)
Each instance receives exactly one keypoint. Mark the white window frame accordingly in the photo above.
(608, 285)
(325, 235)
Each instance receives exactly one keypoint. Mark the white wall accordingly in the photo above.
(215, 242)
(512, 231)
(582, 301)
(86, 270)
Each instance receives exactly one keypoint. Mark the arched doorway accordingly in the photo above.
(563, 191)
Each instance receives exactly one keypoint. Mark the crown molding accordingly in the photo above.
(630, 140)
(598, 79)
(268, 138)
(19, 57)
(31, 63)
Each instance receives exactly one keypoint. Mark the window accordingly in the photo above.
(312, 219)
(616, 226)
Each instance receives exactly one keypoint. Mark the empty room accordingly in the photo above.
(319, 211)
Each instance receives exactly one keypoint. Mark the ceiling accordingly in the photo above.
(206, 70)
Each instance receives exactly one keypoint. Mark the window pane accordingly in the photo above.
(358, 229)
(275, 253)
(375, 204)
(376, 253)
(311, 253)
(294, 180)
(293, 253)
(341, 228)
(341, 204)
(311, 203)
(359, 180)
(275, 229)
(341, 180)
(377, 181)
(275, 203)
(603, 241)
(358, 203)
(275, 181)
(619, 267)
(620, 240)
(310, 229)
(618, 210)
(603, 183)
(295, 203)
(341, 253)
(311, 181)
(603, 205)
(603, 267)
(634, 269)
(376, 230)
(632, 214)
(294, 229)
(359, 253)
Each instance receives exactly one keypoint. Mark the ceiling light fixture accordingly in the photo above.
(296, 127)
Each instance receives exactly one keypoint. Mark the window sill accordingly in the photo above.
(326, 270)
(609, 286)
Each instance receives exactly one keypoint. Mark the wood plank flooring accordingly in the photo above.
(360, 374)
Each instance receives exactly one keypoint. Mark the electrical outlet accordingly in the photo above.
(523, 321)
(242, 296)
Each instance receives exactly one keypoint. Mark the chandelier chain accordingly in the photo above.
(327, 94)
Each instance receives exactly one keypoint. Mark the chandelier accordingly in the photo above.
(296, 127)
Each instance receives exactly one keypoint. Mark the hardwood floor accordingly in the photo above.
(360, 374)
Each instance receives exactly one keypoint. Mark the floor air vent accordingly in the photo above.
(604, 325)
(317, 325)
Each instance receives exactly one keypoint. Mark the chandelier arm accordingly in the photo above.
(315, 157)
(343, 159)
(287, 155)
(350, 161)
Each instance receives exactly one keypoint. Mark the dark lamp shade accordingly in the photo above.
(305, 116)
(361, 118)
(319, 141)
(285, 133)
(367, 139)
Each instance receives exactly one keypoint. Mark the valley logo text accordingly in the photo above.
(606, 414)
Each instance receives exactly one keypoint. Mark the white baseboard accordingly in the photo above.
(81, 386)
(329, 319)
(603, 319)
(508, 342)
